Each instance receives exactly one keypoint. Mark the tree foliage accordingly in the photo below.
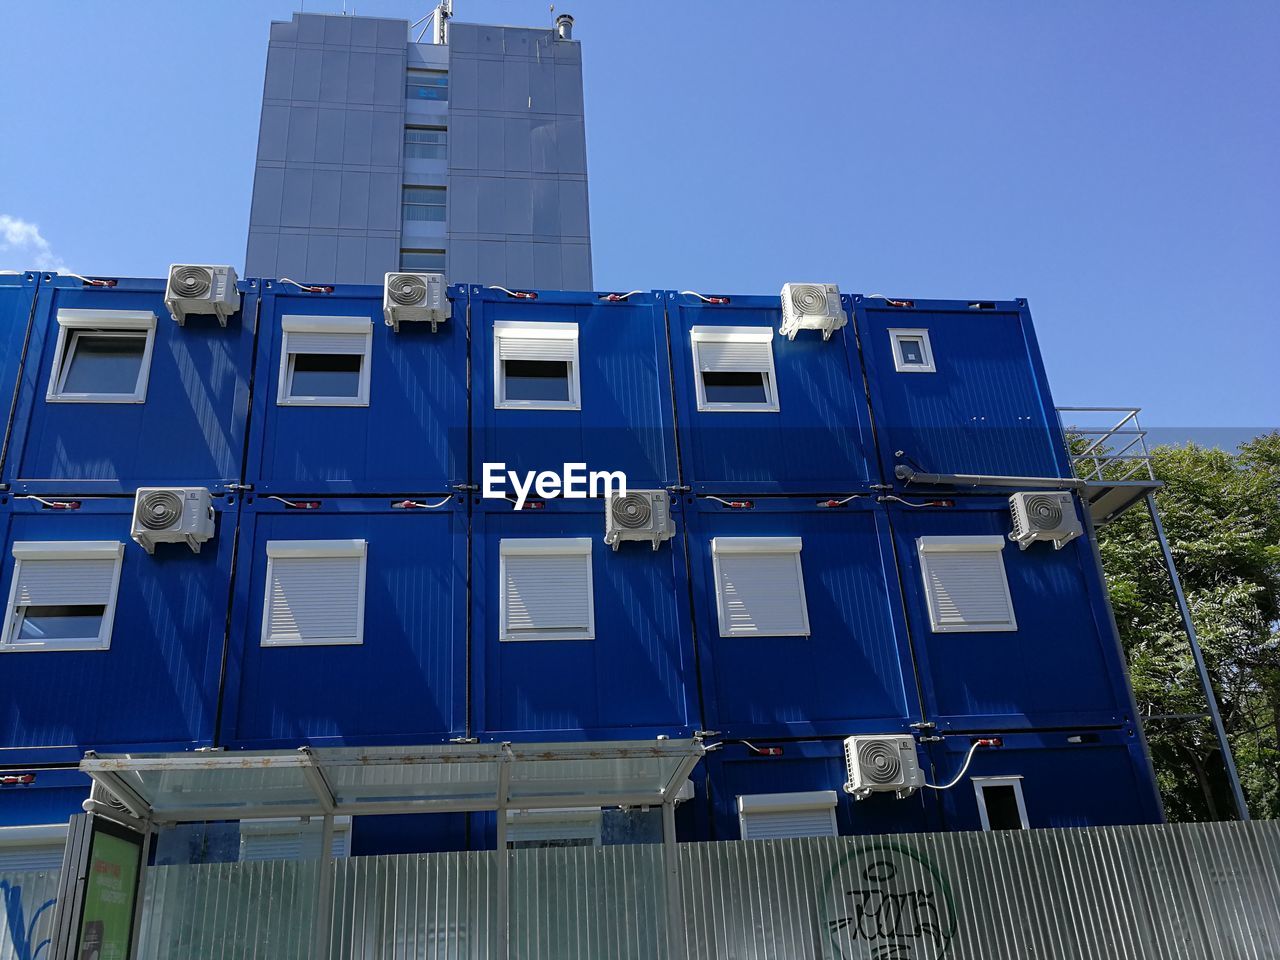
(1221, 514)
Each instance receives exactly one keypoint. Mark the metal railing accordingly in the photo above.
(1107, 444)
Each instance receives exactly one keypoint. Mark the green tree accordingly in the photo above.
(1221, 513)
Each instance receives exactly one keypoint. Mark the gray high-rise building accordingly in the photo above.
(377, 153)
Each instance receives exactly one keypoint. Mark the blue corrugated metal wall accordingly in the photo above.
(187, 667)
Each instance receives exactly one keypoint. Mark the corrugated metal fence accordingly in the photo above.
(26, 913)
(1184, 891)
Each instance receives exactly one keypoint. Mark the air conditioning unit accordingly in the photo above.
(638, 515)
(172, 515)
(882, 764)
(414, 296)
(201, 289)
(811, 306)
(1044, 516)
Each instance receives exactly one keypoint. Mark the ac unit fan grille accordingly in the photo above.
(190, 281)
(1044, 513)
(879, 762)
(633, 512)
(160, 510)
(406, 290)
(809, 299)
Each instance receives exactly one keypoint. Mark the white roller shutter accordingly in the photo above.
(536, 341)
(735, 356)
(780, 816)
(64, 573)
(760, 587)
(965, 584)
(314, 592)
(327, 343)
(546, 590)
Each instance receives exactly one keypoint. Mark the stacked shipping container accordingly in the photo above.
(361, 588)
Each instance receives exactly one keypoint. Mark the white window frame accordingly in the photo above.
(994, 544)
(276, 826)
(810, 800)
(897, 335)
(574, 823)
(545, 547)
(530, 330)
(351, 326)
(107, 323)
(720, 334)
(980, 783)
(311, 550)
(760, 546)
(61, 550)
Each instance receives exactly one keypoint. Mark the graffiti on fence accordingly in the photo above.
(884, 901)
(21, 932)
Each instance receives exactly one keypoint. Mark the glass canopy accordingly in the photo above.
(241, 785)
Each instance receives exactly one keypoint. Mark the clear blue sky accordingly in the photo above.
(1116, 163)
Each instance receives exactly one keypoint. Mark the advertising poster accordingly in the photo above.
(111, 885)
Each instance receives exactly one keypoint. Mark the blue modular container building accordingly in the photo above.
(371, 576)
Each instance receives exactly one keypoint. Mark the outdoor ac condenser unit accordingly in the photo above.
(415, 297)
(1044, 516)
(638, 515)
(172, 515)
(811, 306)
(201, 289)
(882, 764)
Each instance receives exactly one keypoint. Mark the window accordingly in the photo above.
(965, 584)
(555, 827)
(911, 351)
(422, 261)
(102, 356)
(37, 847)
(1000, 804)
(284, 838)
(535, 366)
(427, 85)
(324, 361)
(734, 369)
(759, 587)
(63, 595)
(425, 143)
(314, 593)
(778, 816)
(545, 590)
(423, 204)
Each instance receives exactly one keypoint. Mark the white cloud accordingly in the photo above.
(23, 247)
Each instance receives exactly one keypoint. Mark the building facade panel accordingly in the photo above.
(155, 685)
(402, 429)
(1057, 665)
(850, 671)
(628, 675)
(182, 422)
(790, 418)
(400, 677)
(959, 387)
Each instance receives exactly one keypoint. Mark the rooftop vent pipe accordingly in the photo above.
(564, 27)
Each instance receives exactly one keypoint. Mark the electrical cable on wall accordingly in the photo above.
(964, 769)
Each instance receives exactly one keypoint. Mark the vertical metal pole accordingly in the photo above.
(324, 893)
(1242, 808)
(503, 906)
(675, 902)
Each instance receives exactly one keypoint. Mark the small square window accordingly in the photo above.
(759, 587)
(425, 204)
(1000, 803)
(734, 369)
(102, 356)
(535, 366)
(426, 85)
(912, 352)
(425, 143)
(324, 361)
(63, 595)
(965, 585)
(545, 590)
(422, 261)
(781, 816)
(314, 593)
